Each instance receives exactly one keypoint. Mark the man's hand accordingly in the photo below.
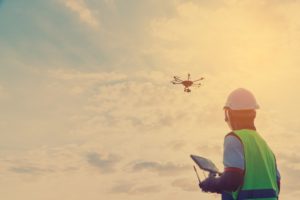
(229, 181)
(210, 185)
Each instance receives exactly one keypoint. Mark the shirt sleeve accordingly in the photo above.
(233, 153)
(278, 174)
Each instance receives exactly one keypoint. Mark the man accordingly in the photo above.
(250, 170)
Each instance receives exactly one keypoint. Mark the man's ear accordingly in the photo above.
(227, 115)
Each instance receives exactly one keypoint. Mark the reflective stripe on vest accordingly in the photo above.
(226, 196)
(257, 194)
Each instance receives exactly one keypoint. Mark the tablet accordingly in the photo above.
(205, 164)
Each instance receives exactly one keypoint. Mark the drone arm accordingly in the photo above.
(199, 79)
(197, 84)
(175, 82)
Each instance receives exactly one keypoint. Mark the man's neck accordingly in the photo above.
(243, 126)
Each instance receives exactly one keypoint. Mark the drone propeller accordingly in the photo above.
(177, 78)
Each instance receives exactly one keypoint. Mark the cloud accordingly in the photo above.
(167, 169)
(132, 188)
(79, 82)
(43, 161)
(177, 145)
(85, 14)
(134, 103)
(30, 170)
(105, 165)
(291, 158)
(122, 188)
(2, 91)
(185, 184)
(289, 167)
(213, 4)
(209, 149)
(289, 178)
(148, 100)
(76, 75)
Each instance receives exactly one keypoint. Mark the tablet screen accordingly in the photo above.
(205, 164)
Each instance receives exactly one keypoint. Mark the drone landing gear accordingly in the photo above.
(187, 89)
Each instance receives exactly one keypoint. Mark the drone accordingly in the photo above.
(186, 83)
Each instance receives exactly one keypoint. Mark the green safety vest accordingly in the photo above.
(260, 180)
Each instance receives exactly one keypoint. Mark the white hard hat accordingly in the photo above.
(241, 99)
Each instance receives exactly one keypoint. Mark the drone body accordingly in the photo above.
(186, 83)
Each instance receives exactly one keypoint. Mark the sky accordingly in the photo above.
(88, 111)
